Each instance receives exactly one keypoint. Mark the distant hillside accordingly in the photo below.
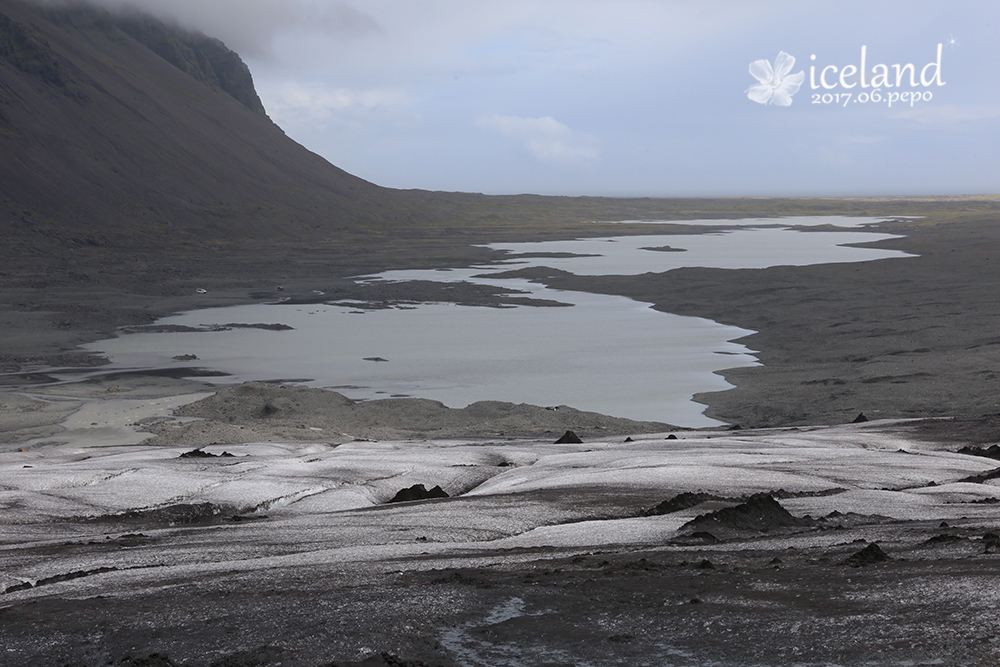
(119, 129)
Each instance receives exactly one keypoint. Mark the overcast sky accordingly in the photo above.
(627, 97)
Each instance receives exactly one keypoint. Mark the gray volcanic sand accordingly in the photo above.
(907, 337)
(266, 413)
(164, 411)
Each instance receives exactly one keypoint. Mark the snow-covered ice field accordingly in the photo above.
(301, 503)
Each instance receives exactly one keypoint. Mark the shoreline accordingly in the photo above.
(880, 354)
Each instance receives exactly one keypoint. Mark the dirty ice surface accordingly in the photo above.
(323, 503)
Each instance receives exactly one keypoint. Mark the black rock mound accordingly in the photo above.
(860, 419)
(199, 453)
(681, 501)
(569, 438)
(870, 555)
(759, 514)
(982, 478)
(418, 492)
(991, 452)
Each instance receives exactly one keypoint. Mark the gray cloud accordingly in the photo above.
(248, 26)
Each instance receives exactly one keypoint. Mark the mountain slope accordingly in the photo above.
(122, 130)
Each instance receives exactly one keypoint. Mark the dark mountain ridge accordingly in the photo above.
(121, 129)
(122, 133)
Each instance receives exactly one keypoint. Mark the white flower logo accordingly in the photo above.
(776, 86)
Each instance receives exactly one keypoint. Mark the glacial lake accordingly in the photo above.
(606, 354)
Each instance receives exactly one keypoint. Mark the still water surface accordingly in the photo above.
(606, 353)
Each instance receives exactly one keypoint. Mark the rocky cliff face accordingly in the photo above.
(206, 59)
(203, 58)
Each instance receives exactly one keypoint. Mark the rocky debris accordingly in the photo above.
(664, 248)
(185, 357)
(761, 513)
(840, 520)
(152, 660)
(263, 656)
(781, 493)
(381, 660)
(418, 492)
(183, 328)
(982, 478)
(259, 325)
(991, 452)
(695, 538)
(199, 453)
(569, 438)
(681, 501)
(57, 578)
(704, 538)
(180, 514)
(991, 542)
(870, 555)
(942, 539)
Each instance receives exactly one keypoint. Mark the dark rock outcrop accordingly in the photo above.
(681, 501)
(759, 514)
(206, 59)
(991, 452)
(569, 438)
(418, 492)
(982, 478)
(199, 453)
(870, 555)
